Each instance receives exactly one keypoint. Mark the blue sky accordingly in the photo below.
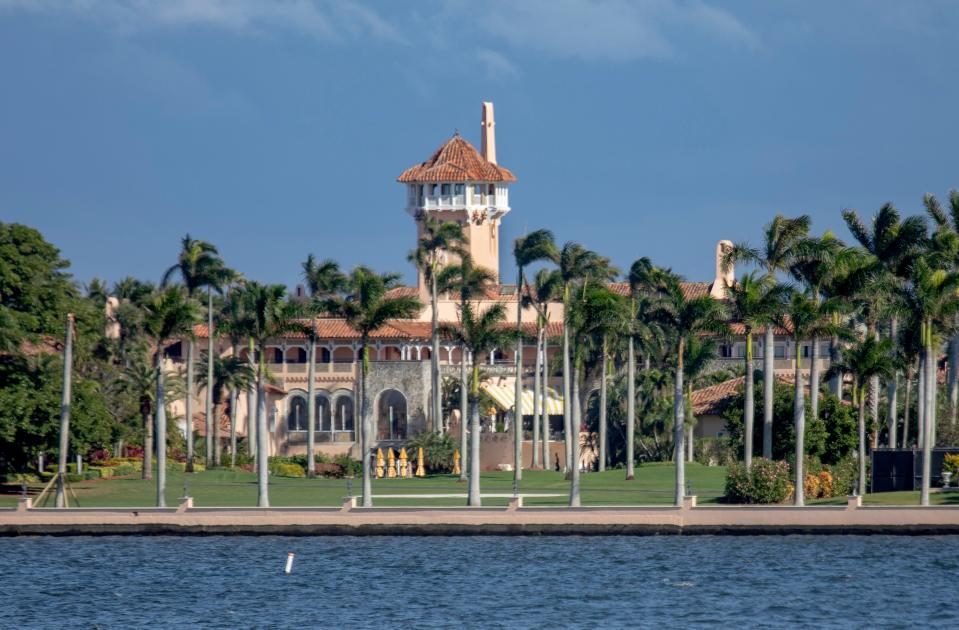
(276, 129)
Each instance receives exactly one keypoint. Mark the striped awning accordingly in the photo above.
(505, 395)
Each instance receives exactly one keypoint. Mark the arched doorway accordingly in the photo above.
(322, 424)
(391, 416)
(343, 427)
(296, 415)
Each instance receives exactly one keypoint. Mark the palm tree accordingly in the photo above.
(892, 244)
(754, 302)
(785, 240)
(808, 318)
(237, 323)
(642, 279)
(230, 374)
(684, 317)
(437, 240)
(544, 290)
(480, 333)
(948, 226)
(533, 247)
(324, 280)
(868, 358)
(140, 381)
(270, 316)
(577, 265)
(169, 314)
(932, 298)
(367, 308)
(470, 282)
(700, 355)
(198, 265)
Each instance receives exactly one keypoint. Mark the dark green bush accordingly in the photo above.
(713, 452)
(351, 467)
(437, 450)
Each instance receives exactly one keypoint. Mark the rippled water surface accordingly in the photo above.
(499, 582)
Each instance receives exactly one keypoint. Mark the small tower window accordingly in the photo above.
(491, 189)
(458, 189)
(478, 190)
(445, 189)
(432, 190)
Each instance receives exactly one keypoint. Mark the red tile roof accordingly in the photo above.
(708, 400)
(456, 161)
(690, 289)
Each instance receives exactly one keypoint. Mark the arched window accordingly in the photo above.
(296, 418)
(343, 413)
(391, 419)
(322, 420)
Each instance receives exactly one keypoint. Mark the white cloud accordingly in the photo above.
(498, 65)
(325, 19)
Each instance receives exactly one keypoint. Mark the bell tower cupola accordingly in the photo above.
(459, 183)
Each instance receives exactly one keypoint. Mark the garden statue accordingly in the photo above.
(420, 469)
(379, 463)
(390, 463)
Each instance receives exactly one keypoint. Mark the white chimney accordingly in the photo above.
(488, 142)
(724, 277)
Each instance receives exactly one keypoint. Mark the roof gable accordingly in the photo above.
(456, 161)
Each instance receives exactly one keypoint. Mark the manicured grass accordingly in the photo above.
(653, 486)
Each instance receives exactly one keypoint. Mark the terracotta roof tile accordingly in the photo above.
(690, 289)
(456, 161)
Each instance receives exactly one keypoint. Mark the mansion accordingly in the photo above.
(457, 183)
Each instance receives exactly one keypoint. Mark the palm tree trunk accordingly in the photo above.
(474, 497)
(769, 380)
(814, 377)
(679, 415)
(251, 439)
(799, 418)
(602, 409)
(874, 403)
(690, 421)
(365, 429)
(148, 428)
(576, 423)
(437, 392)
(921, 401)
(311, 410)
(953, 378)
(188, 421)
(464, 417)
(905, 407)
(212, 426)
(161, 430)
(861, 483)
(536, 408)
(567, 411)
(234, 395)
(892, 388)
(749, 413)
(262, 438)
(630, 409)
(65, 402)
(518, 387)
(929, 417)
(544, 409)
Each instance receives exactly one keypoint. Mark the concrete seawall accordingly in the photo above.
(515, 519)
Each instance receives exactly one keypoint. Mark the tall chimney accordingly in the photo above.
(724, 277)
(488, 143)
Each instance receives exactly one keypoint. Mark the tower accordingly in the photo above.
(459, 183)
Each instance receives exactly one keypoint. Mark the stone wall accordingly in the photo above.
(412, 379)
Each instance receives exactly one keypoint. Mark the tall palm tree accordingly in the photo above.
(577, 265)
(437, 240)
(480, 333)
(863, 360)
(230, 374)
(324, 280)
(533, 247)
(700, 355)
(469, 282)
(931, 297)
(198, 265)
(270, 316)
(367, 307)
(140, 381)
(893, 245)
(169, 314)
(237, 323)
(642, 279)
(754, 302)
(684, 316)
(949, 225)
(785, 240)
(809, 319)
(544, 290)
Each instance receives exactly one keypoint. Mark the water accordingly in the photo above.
(392, 583)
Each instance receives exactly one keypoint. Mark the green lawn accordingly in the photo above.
(652, 486)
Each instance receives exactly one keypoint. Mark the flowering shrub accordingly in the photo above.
(766, 482)
(950, 463)
(287, 470)
(826, 486)
(99, 456)
(133, 451)
(811, 487)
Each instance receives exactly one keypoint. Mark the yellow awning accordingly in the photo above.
(504, 396)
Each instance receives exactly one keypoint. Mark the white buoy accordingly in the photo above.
(289, 562)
